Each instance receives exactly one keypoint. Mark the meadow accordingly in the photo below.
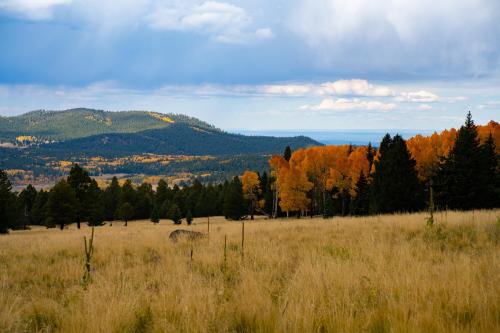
(388, 273)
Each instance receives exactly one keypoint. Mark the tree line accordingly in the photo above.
(324, 180)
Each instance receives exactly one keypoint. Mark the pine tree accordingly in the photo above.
(174, 214)
(7, 202)
(189, 217)
(80, 181)
(62, 205)
(27, 198)
(370, 155)
(112, 198)
(94, 205)
(125, 212)
(328, 209)
(234, 203)
(287, 154)
(155, 214)
(490, 175)
(360, 203)
(466, 179)
(395, 186)
(39, 211)
(145, 198)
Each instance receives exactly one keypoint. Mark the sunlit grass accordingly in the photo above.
(374, 274)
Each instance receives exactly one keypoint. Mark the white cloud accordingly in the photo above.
(420, 96)
(354, 87)
(32, 9)
(343, 104)
(425, 107)
(225, 22)
(221, 21)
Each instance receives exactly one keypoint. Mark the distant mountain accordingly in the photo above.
(176, 139)
(86, 132)
(79, 123)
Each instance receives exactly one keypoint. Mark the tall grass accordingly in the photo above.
(374, 274)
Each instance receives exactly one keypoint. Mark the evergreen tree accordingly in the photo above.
(155, 214)
(112, 197)
(145, 198)
(7, 202)
(360, 203)
(328, 209)
(267, 193)
(27, 198)
(125, 212)
(490, 175)
(395, 186)
(287, 154)
(39, 211)
(94, 205)
(162, 193)
(467, 177)
(234, 203)
(129, 195)
(174, 214)
(62, 205)
(80, 181)
(370, 155)
(189, 217)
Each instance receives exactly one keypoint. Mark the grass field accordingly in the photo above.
(374, 274)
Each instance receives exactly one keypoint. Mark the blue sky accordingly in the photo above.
(257, 64)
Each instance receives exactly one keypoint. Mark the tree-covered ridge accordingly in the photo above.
(176, 139)
(79, 123)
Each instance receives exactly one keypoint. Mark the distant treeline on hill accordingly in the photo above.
(453, 170)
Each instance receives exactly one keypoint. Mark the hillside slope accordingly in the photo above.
(79, 123)
(176, 139)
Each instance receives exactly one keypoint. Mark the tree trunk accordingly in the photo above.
(78, 222)
(61, 226)
(126, 222)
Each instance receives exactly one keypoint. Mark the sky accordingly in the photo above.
(257, 64)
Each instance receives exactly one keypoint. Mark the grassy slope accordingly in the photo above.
(375, 274)
(77, 123)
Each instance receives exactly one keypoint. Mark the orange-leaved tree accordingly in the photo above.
(251, 189)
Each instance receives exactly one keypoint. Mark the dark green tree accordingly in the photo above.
(395, 186)
(174, 214)
(234, 203)
(329, 208)
(62, 205)
(467, 179)
(189, 217)
(125, 212)
(287, 154)
(145, 199)
(361, 202)
(112, 197)
(39, 211)
(370, 155)
(27, 198)
(80, 181)
(490, 175)
(8, 204)
(162, 194)
(94, 205)
(155, 214)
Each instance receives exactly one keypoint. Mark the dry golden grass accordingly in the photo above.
(374, 274)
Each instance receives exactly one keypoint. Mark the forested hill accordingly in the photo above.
(79, 123)
(86, 132)
(176, 139)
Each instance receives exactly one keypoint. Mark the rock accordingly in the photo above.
(191, 235)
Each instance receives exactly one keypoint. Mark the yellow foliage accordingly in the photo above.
(23, 138)
(161, 117)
